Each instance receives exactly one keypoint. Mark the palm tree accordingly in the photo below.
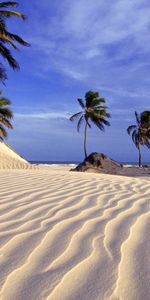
(5, 116)
(94, 110)
(6, 37)
(140, 132)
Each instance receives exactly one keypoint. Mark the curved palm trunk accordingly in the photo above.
(140, 157)
(85, 134)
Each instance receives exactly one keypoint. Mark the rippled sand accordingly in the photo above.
(73, 236)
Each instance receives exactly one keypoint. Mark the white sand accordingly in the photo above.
(73, 236)
(9, 159)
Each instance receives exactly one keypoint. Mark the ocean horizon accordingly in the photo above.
(77, 162)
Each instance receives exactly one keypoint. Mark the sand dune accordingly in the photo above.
(69, 236)
(10, 159)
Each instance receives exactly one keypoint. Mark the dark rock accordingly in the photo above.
(99, 163)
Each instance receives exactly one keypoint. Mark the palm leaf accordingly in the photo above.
(4, 101)
(2, 25)
(18, 39)
(6, 113)
(81, 103)
(147, 144)
(3, 75)
(79, 123)
(73, 117)
(99, 124)
(137, 118)
(105, 122)
(130, 128)
(8, 14)
(6, 39)
(3, 133)
(5, 122)
(8, 3)
(7, 55)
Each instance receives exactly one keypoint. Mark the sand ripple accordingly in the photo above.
(73, 236)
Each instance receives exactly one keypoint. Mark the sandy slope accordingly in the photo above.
(9, 159)
(73, 236)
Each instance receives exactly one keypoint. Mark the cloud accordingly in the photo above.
(43, 115)
(94, 42)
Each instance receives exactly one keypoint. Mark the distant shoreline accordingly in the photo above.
(77, 162)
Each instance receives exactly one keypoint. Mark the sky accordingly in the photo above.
(77, 46)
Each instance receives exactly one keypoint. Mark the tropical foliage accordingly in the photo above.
(145, 117)
(93, 110)
(140, 132)
(5, 116)
(8, 38)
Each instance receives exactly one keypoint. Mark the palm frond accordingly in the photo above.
(73, 117)
(5, 116)
(135, 138)
(147, 144)
(79, 123)
(101, 113)
(3, 133)
(6, 113)
(5, 122)
(87, 120)
(3, 75)
(8, 3)
(99, 125)
(8, 14)
(102, 107)
(105, 122)
(4, 101)
(137, 118)
(6, 39)
(95, 102)
(81, 102)
(2, 25)
(18, 39)
(130, 128)
(7, 55)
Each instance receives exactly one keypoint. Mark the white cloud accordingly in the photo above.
(43, 115)
(103, 44)
(83, 33)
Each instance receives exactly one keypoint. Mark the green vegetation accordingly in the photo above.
(9, 38)
(93, 110)
(145, 117)
(5, 116)
(140, 132)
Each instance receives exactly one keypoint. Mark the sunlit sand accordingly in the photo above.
(73, 236)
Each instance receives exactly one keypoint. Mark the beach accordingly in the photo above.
(70, 235)
(75, 190)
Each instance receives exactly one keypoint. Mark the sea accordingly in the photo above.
(77, 162)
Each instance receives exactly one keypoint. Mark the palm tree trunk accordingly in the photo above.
(85, 132)
(139, 155)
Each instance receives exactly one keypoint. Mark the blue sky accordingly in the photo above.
(78, 46)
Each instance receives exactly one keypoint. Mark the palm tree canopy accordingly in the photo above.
(140, 132)
(145, 117)
(93, 110)
(7, 37)
(5, 116)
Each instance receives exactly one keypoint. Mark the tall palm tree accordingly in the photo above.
(7, 37)
(93, 110)
(140, 133)
(5, 116)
